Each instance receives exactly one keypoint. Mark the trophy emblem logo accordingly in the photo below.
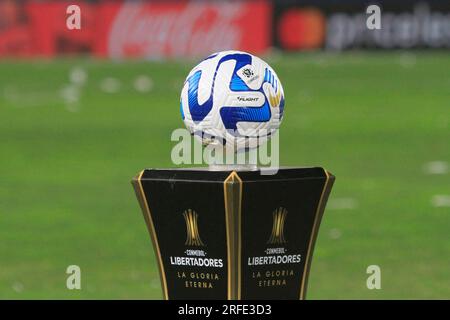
(279, 219)
(192, 234)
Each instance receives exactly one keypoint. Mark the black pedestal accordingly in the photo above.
(233, 235)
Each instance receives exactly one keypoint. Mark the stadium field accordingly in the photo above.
(74, 132)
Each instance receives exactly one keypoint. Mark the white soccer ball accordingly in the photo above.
(234, 99)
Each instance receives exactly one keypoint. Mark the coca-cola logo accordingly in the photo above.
(174, 30)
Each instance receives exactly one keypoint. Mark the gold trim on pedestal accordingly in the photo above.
(137, 183)
(232, 186)
(314, 231)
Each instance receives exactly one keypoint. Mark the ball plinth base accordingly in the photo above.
(233, 235)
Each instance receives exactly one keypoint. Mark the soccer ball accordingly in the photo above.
(233, 99)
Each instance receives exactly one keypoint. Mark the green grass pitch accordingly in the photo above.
(68, 151)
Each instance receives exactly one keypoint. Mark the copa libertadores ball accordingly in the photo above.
(234, 99)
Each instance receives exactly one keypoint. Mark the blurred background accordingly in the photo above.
(82, 111)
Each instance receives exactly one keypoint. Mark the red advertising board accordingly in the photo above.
(49, 32)
(135, 29)
(178, 29)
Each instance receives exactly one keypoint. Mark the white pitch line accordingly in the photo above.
(436, 167)
(342, 204)
(17, 287)
(143, 84)
(408, 60)
(78, 76)
(335, 233)
(440, 200)
(110, 85)
(70, 93)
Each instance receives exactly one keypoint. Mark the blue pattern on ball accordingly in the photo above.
(181, 110)
(230, 115)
